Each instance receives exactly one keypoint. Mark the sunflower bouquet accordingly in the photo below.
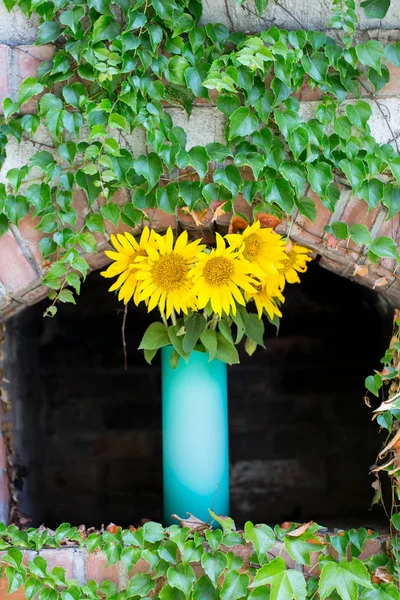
(203, 294)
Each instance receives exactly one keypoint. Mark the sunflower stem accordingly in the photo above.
(173, 317)
(164, 320)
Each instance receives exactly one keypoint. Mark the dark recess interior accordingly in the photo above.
(87, 433)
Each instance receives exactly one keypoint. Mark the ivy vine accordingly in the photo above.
(119, 67)
(197, 562)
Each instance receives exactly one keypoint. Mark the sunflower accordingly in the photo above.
(265, 300)
(219, 276)
(163, 273)
(127, 251)
(262, 247)
(295, 262)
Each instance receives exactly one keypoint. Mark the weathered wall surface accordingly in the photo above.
(21, 265)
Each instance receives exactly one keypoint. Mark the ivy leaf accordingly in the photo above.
(344, 577)
(16, 208)
(116, 121)
(391, 199)
(48, 32)
(373, 383)
(230, 178)
(141, 585)
(95, 222)
(384, 247)
(167, 198)
(372, 192)
(285, 584)
(360, 234)
(262, 537)
(190, 191)
(320, 176)
(112, 212)
(155, 337)
(355, 171)
(370, 54)
(392, 53)
(27, 89)
(105, 28)
(182, 578)
(295, 174)
(235, 585)
(150, 167)
(359, 113)
(204, 590)
(87, 182)
(15, 579)
(301, 547)
(282, 194)
(307, 208)
(242, 122)
(316, 66)
(375, 9)
(214, 565)
(199, 160)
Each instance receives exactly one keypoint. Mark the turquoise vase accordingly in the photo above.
(195, 437)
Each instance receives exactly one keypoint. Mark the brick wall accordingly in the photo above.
(80, 565)
(87, 434)
(21, 266)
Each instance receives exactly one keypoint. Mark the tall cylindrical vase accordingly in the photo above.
(195, 436)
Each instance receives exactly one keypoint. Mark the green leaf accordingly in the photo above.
(391, 199)
(195, 324)
(384, 247)
(95, 222)
(204, 590)
(301, 547)
(111, 212)
(68, 151)
(209, 340)
(359, 113)
(168, 198)
(105, 28)
(360, 234)
(15, 579)
(182, 578)
(177, 340)
(214, 565)
(307, 208)
(155, 337)
(339, 229)
(230, 178)
(373, 383)
(345, 578)
(16, 208)
(375, 9)
(235, 585)
(355, 171)
(242, 122)
(285, 584)
(370, 54)
(190, 191)
(392, 53)
(27, 89)
(320, 176)
(372, 192)
(316, 66)
(87, 182)
(48, 32)
(116, 121)
(141, 585)
(176, 67)
(47, 247)
(262, 537)
(227, 104)
(254, 327)
(199, 160)
(282, 194)
(295, 174)
(150, 167)
(226, 352)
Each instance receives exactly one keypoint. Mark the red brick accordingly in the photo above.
(30, 57)
(63, 557)
(16, 273)
(5, 78)
(97, 569)
(160, 221)
(31, 236)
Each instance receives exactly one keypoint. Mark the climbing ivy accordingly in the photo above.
(195, 561)
(117, 70)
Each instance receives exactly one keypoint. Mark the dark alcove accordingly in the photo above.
(87, 433)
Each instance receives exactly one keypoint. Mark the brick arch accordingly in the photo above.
(22, 267)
